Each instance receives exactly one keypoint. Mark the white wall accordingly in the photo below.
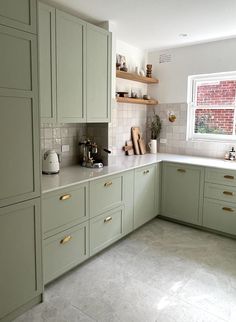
(213, 57)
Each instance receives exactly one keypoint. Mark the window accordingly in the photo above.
(212, 107)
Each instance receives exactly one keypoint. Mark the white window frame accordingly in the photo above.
(192, 83)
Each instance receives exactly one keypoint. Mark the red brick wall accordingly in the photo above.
(215, 120)
(221, 121)
(217, 94)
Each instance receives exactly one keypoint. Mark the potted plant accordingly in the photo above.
(155, 132)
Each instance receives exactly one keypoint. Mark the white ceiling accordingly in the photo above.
(156, 24)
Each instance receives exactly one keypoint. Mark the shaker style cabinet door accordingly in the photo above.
(20, 253)
(70, 34)
(19, 129)
(47, 62)
(144, 195)
(19, 14)
(98, 76)
(182, 192)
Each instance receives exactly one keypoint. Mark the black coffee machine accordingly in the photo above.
(90, 154)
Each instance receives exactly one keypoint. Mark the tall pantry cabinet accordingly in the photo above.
(20, 220)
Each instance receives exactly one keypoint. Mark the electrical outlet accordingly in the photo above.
(163, 141)
(65, 148)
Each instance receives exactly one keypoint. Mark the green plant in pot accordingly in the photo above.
(155, 128)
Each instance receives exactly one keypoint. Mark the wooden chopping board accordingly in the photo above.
(138, 142)
(142, 146)
(135, 133)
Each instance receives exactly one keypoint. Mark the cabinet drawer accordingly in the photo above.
(226, 177)
(220, 215)
(64, 208)
(220, 192)
(105, 194)
(105, 229)
(65, 250)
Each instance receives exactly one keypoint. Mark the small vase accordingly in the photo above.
(153, 146)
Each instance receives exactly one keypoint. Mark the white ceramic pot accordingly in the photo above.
(153, 146)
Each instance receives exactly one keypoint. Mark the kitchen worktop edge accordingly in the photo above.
(76, 174)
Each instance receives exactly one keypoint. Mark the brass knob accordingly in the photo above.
(181, 170)
(65, 197)
(229, 177)
(108, 184)
(227, 209)
(65, 239)
(228, 193)
(108, 219)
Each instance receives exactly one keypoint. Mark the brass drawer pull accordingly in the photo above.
(65, 240)
(228, 193)
(65, 197)
(108, 219)
(229, 177)
(108, 184)
(146, 172)
(181, 170)
(227, 209)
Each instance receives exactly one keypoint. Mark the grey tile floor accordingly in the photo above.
(163, 272)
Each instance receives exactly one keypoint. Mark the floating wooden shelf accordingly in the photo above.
(136, 77)
(136, 101)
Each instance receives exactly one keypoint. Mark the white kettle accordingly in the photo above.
(50, 162)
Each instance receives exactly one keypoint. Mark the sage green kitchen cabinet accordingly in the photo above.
(105, 193)
(220, 215)
(47, 62)
(70, 38)
(98, 74)
(128, 191)
(19, 14)
(21, 259)
(64, 208)
(106, 229)
(65, 250)
(182, 192)
(144, 195)
(219, 211)
(75, 68)
(19, 127)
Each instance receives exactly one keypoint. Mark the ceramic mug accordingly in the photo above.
(153, 146)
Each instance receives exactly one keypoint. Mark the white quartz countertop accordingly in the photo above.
(76, 174)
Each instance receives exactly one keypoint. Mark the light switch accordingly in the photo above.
(163, 141)
(65, 148)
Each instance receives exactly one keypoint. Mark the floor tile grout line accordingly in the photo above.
(77, 308)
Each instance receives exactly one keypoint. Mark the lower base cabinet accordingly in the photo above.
(106, 229)
(65, 250)
(220, 215)
(20, 256)
(145, 195)
(182, 192)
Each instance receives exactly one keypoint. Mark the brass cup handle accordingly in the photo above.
(108, 184)
(229, 177)
(65, 239)
(228, 193)
(181, 170)
(65, 197)
(227, 209)
(146, 172)
(107, 219)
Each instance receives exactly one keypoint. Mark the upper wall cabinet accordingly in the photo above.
(19, 14)
(19, 162)
(47, 61)
(74, 60)
(98, 77)
(70, 72)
